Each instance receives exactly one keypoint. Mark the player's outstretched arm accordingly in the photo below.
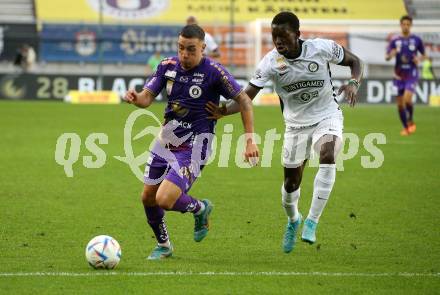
(226, 109)
(356, 66)
(391, 54)
(245, 103)
(140, 99)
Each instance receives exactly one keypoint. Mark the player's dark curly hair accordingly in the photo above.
(288, 18)
(406, 17)
(193, 31)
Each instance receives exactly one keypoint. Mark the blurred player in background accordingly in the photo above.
(211, 49)
(153, 62)
(406, 74)
(191, 80)
(427, 69)
(300, 72)
(25, 58)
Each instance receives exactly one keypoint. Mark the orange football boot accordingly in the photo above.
(411, 128)
(404, 132)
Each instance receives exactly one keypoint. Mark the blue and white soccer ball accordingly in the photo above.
(103, 252)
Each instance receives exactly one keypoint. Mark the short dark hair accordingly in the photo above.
(406, 17)
(287, 17)
(193, 31)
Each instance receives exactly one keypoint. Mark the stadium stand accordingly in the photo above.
(17, 11)
(423, 9)
(67, 32)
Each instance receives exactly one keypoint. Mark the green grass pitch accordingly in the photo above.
(378, 235)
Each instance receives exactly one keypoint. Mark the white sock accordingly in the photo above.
(167, 244)
(322, 187)
(290, 203)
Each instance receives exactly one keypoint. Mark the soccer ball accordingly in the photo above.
(103, 252)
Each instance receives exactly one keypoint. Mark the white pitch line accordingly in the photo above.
(269, 274)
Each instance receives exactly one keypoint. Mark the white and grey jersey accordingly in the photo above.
(211, 45)
(304, 83)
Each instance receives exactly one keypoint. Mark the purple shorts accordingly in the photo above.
(181, 169)
(402, 85)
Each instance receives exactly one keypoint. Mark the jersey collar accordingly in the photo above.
(302, 51)
(181, 69)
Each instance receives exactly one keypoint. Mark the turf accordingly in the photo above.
(378, 224)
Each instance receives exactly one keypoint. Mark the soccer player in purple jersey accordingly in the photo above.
(191, 81)
(405, 48)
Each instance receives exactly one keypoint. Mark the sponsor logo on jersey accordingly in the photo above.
(336, 50)
(282, 67)
(306, 96)
(201, 75)
(185, 125)
(313, 67)
(303, 84)
(195, 91)
(184, 79)
(197, 80)
(228, 85)
(178, 110)
(216, 66)
(258, 74)
(281, 64)
(129, 9)
(224, 78)
(170, 74)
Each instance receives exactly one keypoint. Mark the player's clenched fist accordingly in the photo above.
(130, 96)
(252, 153)
(140, 99)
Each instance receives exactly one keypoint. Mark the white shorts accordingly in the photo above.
(298, 142)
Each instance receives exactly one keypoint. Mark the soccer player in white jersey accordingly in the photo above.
(301, 75)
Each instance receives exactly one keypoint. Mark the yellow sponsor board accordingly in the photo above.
(94, 97)
(434, 100)
(271, 99)
(211, 11)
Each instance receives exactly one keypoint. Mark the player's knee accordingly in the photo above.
(163, 201)
(148, 198)
(148, 202)
(400, 104)
(291, 184)
(327, 156)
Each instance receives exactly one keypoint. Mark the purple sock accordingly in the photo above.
(155, 217)
(402, 114)
(410, 110)
(186, 203)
